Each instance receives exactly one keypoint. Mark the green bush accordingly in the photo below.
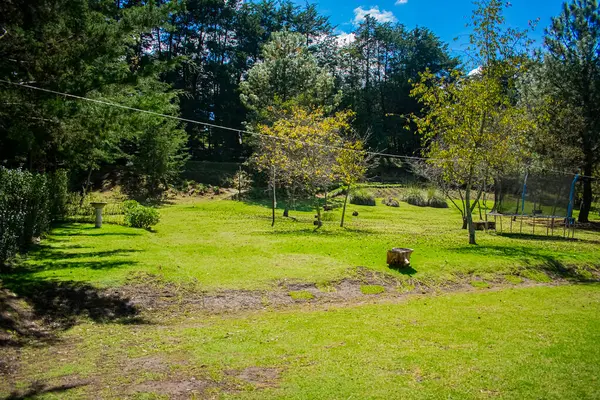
(28, 204)
(129, 205)
(362, 198)
(435, 200)
(414, 196)
(139, 216)
(59, 194)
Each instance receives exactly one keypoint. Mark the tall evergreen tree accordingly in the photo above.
(573, 70)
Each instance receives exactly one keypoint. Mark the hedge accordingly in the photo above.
(29, 202)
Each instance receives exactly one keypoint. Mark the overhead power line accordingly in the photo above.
(236, 130)
(227, 128)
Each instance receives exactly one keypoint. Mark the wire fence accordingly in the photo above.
(79, 209)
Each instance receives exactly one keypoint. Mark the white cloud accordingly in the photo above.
(400, 2)
(380, 16)
(344, 38)
(476, 71)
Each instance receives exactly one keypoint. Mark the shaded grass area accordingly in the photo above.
(525, 343)
(230, 245)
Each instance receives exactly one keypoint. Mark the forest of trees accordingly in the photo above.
(234, 63)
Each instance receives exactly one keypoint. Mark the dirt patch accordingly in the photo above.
(150, 363)
(176, 389)
(234, 300)
(259, 377)
(170, 299)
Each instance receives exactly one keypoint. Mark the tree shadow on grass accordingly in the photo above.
(534, 260)
(34, 307)
(544, 238)
(67, 229)
(267, 203)
(45, 252)
(404, 270)
(322, 232)
(39, 388)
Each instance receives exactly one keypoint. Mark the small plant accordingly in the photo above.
(372, 289)
(139, 216)
(435, 200)
(362, 198)
(301, 295)
(391, 202)
(414, 196)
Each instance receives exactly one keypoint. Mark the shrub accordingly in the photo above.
(435, 200)
(28, 204)
(391, 202)
(139, 216)
(414, 196)
(129, 205)
(59, 194)
(362, 198)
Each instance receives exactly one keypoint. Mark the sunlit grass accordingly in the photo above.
(527, 343)
(228, 244)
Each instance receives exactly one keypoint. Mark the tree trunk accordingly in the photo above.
(344, 209)
(274, 205)
(86, 187)
(286, 210)
(469, 215)
(465, 223)
(586, 204)
(319, 223)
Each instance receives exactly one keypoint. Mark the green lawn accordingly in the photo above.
(70, 331)
(226, 244)
(525, 343)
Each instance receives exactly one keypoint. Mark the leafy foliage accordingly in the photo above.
(305, 151)
(28, 204)
(473, 129)
(139, 216)
(572, 71)
(414, 196)
(288, 74)
(362, 197)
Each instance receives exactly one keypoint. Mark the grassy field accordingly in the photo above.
(227, 244)
(515, 317)
(525, 343)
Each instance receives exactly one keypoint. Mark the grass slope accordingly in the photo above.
(526, 343)
(226, 244)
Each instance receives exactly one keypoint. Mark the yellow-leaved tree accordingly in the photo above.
(307, 149)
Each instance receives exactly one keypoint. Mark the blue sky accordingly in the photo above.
(446, 18)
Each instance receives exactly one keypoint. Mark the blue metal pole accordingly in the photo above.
(523, 195)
